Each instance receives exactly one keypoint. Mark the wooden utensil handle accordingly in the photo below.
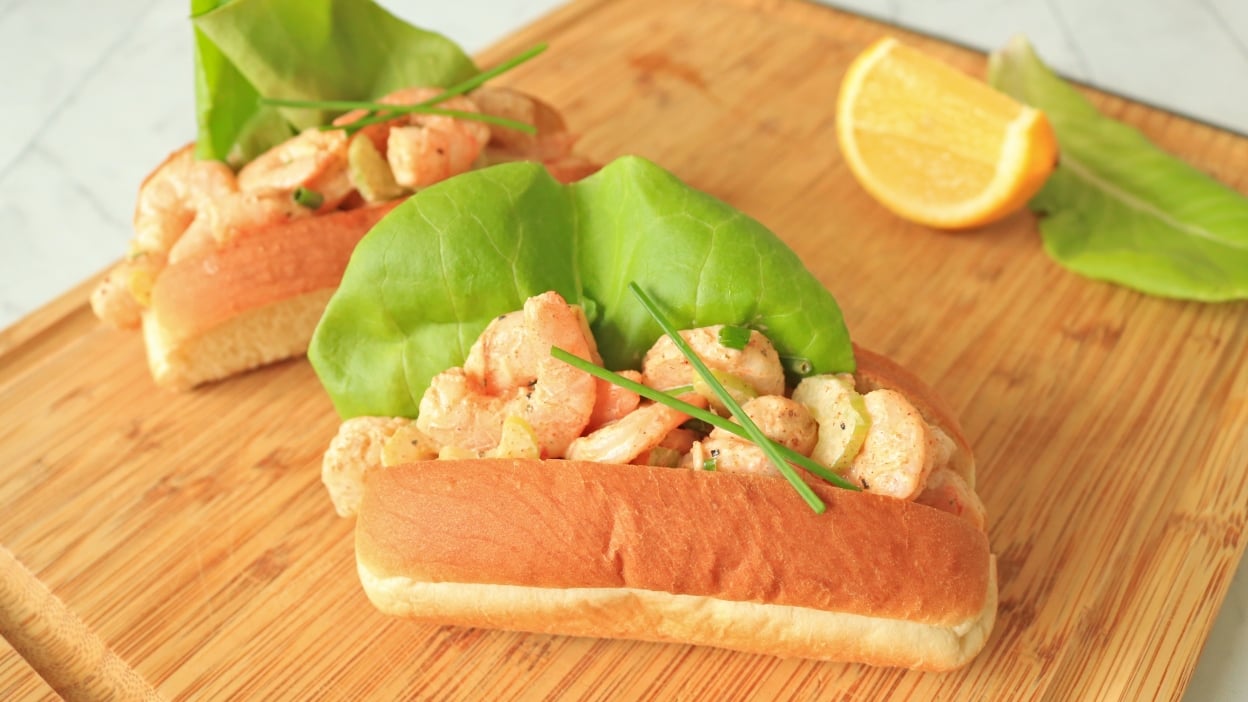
(57, 644)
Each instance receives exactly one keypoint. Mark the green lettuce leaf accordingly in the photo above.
(1120, 209)
(423, 284)
(303, 50)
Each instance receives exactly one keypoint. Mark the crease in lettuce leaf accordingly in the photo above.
(305, 50)
(1120, 209)
(427, 279)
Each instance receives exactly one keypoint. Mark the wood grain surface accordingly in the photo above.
(191, 532)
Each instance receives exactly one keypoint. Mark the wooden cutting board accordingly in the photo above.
(192, 532)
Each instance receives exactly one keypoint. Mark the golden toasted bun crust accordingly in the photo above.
(687, 550)
(254, 301)
(880, 372)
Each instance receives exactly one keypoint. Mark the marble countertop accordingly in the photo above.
(79, 70)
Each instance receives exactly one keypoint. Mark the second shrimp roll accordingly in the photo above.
(620, 408)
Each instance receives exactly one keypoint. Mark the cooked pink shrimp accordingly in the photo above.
(551, 145)
(424, 149)
(556, 400)
(896, 456)
(634, 434)
(168, 203)
(171, 196)
(550, 141)
(234, 216)
(355, 449)
(570, 168)
(946, 490)
(314, 159)
(757, 364)
(780, 419)
(613, 401)
(491, 357)
(458, 411)
(118, 300)
(434, 148)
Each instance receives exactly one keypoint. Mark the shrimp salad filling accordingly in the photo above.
(189, 207)
(512, 399)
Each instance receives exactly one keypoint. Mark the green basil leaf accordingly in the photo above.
(302, 50)
(424, 283)
(1120, 209)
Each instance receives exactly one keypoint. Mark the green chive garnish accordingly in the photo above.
(797, 366)
(756, 434)
(307, 198)
(478, 80)
(380, 112)
(710, 464)
(679, 390)
(698, 414)
(734, 338)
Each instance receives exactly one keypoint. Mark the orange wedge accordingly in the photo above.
(936, 146)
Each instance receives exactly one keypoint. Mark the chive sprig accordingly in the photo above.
(736, 338)
(378, 112)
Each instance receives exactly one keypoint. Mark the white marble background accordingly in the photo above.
(95, 93)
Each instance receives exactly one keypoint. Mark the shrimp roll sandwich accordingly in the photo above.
(619, 408)
(231, 269)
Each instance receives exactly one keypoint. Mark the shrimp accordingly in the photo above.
(168, 203)
(458, 411)
(465, 407)
(119, 298)
(780, 419)
(757, 364)
(314, 159)
(897, 455)
(490, 358)
(632, 435)
(171, 196)
(424, 149)
(357, 446)
(946, 490)
(551, 145)
(551, 141)
(435, 147)
(613, 402)
(235, 216)
(571, 168)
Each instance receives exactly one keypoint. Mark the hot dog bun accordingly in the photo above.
(255, 301)
(663, 554)
(729, 560)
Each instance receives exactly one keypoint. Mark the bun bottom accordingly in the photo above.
(648, 615)
(252, 339)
